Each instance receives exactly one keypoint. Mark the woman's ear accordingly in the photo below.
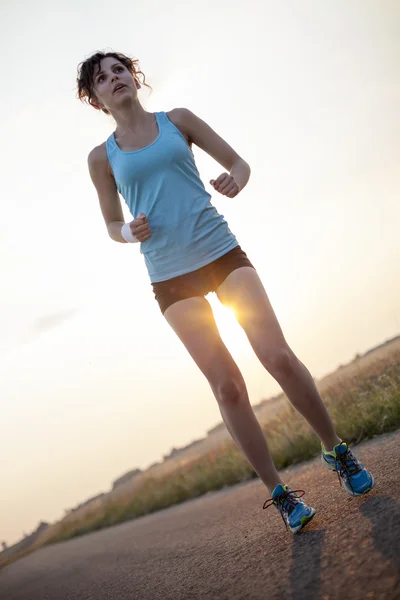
(93, 102)
(137, 84)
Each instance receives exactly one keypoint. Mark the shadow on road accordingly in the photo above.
(384, 514)
(305, 570)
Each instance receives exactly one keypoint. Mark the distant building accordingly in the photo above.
(27, 541)
(68, 511)
(125, 478)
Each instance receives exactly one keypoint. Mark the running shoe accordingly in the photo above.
(357, 480)
(294, 512)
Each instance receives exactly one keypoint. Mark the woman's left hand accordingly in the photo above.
(225, 185)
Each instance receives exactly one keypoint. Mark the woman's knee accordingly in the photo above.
(230, 391)
(279, 361)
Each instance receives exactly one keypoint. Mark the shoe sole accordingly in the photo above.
(348, 490)
(327, 465)
(304, 522)
(351, 493)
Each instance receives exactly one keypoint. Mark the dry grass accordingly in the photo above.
(363, 399)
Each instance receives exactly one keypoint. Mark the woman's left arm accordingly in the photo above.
(197, 131)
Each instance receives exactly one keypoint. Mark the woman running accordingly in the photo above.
(190, 251)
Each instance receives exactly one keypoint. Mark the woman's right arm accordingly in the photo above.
(103, 181)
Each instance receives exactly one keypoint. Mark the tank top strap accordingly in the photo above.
(162, 119)
(111, 149)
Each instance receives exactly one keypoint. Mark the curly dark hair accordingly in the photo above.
(86, 70)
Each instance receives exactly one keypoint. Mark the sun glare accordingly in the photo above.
(230, 330)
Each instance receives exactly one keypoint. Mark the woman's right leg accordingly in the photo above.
(193, 321)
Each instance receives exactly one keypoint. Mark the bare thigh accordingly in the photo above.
(193, 322)
(244, 292)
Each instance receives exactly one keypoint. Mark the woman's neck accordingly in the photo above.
(131, 120)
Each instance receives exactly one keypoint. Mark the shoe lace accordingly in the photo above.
(285, 502)
(348, 464)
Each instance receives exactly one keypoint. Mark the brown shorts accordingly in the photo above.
(200, 282)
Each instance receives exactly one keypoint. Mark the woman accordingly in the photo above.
(189, 251)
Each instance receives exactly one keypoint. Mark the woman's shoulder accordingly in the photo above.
(98, 152)
(179, 117)
(98, 156)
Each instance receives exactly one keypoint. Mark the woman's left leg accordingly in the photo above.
(244, 292)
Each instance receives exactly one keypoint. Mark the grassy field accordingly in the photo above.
(363, 399)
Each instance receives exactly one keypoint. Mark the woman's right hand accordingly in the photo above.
(140, 228)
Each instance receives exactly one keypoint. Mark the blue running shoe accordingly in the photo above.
(357, 480)
(294, 512)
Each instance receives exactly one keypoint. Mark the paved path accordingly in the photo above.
(223, 546)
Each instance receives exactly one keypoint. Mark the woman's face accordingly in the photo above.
(109, 76)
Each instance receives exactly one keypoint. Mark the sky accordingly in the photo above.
(93, 382)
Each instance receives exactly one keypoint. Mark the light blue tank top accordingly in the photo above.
(162, 181)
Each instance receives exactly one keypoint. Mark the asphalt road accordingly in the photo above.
(223, 546)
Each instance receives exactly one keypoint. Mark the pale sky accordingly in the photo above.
(92, 380)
